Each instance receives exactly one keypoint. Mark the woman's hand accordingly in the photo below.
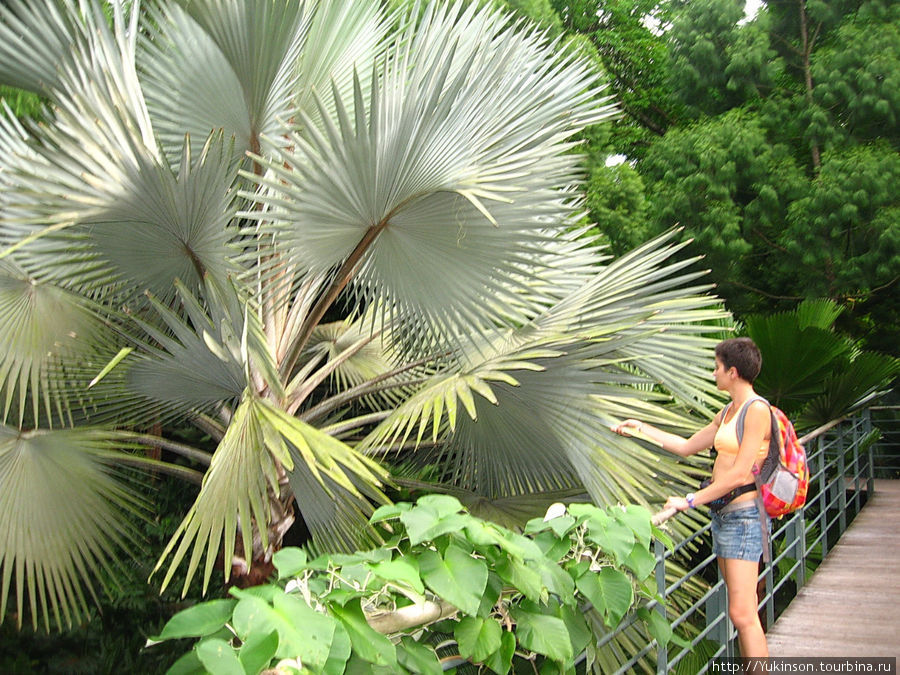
(627, 427)
(677, 503)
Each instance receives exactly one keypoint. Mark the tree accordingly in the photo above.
(628, 37)
(780, 177)
(856, 77)
(730, 188)
(704, 38)
(325, 241)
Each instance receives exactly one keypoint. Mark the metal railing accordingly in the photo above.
(840, 457)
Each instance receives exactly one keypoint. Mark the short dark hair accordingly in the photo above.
(741, 354)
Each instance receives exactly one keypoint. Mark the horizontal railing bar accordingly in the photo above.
(815, 433)
(678, 582)
(688, 541)
(677, 621)
(775, 587)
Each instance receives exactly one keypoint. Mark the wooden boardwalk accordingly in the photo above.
(851, 606)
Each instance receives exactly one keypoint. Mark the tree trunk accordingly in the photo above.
(806, 51)
(257, 567)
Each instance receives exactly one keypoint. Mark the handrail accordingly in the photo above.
(815, 433)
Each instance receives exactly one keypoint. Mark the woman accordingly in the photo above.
(737, 532)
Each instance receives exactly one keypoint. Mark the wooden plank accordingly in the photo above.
(851, 606)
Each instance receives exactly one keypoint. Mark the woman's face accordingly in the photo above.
(721, 375)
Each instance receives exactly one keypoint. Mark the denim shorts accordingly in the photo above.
(737, 534)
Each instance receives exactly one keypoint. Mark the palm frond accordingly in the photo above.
(45, 332)
(438, 227)
(208, 355)
(234, 493)
(367, 360)
(221, 65)
(626, 343)
(849, 389)
(245, 468)
(170, 226)
(334, 486)
(341, 37)
(566, 263)
(87, 158)
(35, 40)
(818, 312)
(797, 360)
(63, 519)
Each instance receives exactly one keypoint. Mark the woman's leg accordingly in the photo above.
(740, 578)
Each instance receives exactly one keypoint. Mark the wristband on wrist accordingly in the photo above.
(689, 498)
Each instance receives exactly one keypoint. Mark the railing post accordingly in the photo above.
(795, 530)
(823, 496)
(662, 651)
(769, 578)
(870, 477)
(717, 617)
(842, 482)
(854, 464)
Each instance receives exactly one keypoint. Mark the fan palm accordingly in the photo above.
(812, 371)
(328, 239)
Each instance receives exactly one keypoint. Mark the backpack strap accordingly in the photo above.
(773, 448)
(771, 461)
(763, 520)
(742, 415)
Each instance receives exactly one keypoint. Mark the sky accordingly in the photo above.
(751, 8)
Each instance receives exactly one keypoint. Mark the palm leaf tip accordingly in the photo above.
(42, 326)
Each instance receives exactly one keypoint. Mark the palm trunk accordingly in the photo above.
(257, 567)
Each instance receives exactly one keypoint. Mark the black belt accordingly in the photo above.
(719, 502)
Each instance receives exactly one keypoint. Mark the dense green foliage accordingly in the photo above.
(773, 141)
(20, 103)
(510, 598)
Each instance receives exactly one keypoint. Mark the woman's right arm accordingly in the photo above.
(683, 447)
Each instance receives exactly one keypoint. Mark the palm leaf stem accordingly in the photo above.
(308, 367)
(340, 281)
(365, 390)
(225, 414)
(199, 456)
(295, 400)
(189, 475)
(209, 425)
(274, 303)
(367, 387)
(355, 423)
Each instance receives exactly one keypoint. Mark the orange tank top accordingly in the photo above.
(726, 440)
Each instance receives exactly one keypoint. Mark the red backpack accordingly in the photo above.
(783, 479)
